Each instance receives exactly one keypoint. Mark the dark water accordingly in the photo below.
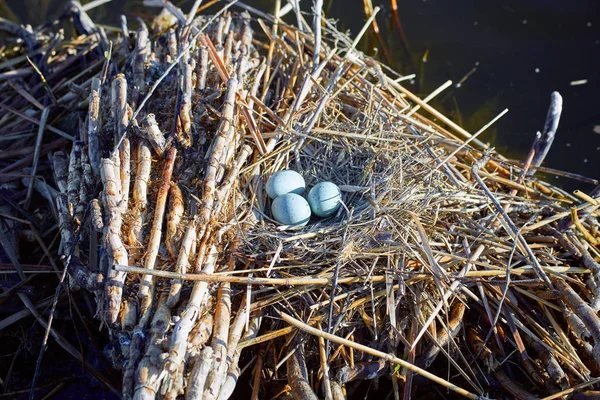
(522, 51)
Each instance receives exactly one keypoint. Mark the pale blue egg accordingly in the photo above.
(286, 181)
(324, 199)
(291, 209)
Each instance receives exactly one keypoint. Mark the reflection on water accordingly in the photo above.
(518, 52)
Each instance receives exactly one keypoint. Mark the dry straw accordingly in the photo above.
(446, 262)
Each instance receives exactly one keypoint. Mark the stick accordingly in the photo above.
(203, 68)
(94, 124)
(219, 343)
(142, 51)
(36, 154)
(87, 183)
(74, 180)
(152, 133)
(184, 119)
(173, 218)
(542, 143)
(581, 309)
(233, 371)
(317, 10)
(149, 369)
(192, 12)
(223, 135)
(572, 389)
(518, 237)
(117, 253)
(136, 348)
(201, 277)
(200, 370)
(297, 373)
(584, 257)
(182, 262)
(159, 212)
(119, 106)
(181, 331)
(60, 169)
(125, 172)
(258, 367)
(356, 346)
(140, 198)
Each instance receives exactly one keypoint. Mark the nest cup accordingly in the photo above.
(395, 177)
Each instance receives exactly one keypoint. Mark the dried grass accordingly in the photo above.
(445, 260)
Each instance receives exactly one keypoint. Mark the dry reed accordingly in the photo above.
(446, 262)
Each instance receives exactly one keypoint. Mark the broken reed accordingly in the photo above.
(442, 250)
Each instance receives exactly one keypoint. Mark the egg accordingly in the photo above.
(324, 199)
(291, 209)
(286, 181)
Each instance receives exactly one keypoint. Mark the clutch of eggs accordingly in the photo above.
(290, 208)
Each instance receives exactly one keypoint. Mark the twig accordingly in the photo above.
(117, 253)
(48, 327)
(395, 360)
(157, 223)
(37, 122)
(181, 331)
(317, 10)
(198, 375)
(94, 125)
(542, 143)
(249, 280)
(427, 99)
(518, 237)
(572, 389)
(297, 373)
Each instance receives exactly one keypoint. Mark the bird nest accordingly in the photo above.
(445, 262)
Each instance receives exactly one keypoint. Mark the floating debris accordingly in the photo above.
(579, 82)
